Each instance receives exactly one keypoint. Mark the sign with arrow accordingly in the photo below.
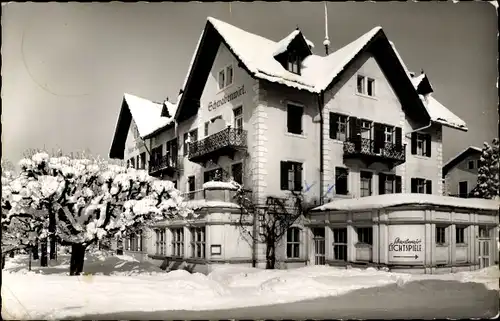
(406, 244)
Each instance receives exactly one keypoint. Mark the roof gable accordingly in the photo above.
(146, 115)
(256, 55)
(294, 41)
(471, 150)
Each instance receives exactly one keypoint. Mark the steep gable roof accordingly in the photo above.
(146, 115)
(471, 150)
(256, 55)
(284, 44)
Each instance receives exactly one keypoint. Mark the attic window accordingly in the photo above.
(293, 63)
(225, 77)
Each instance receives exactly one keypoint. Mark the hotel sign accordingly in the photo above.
(213, 105)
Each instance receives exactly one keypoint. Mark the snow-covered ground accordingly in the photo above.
(120, 283)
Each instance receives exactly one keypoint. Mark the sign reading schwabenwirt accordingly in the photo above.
(213, 105)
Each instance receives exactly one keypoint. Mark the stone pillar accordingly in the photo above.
(187, 242)
(429, 247)
(328, 243)
(453, 244)
(376, 243)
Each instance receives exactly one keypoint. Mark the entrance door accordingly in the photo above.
(484, 247)
(319, 245)
(462, 189)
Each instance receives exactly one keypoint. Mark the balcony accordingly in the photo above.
(225, 142)
(367, 151)
(166, 165)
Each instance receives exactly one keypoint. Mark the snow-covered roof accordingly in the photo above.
(220, 185)
(147, 114)
(283, 44)
(391, 200)
(441, 114)
(202, 203)
(317, 72)
(455, 160)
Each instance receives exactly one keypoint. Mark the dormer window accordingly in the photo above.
(293, 64)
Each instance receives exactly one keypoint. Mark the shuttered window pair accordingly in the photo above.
(421, 144)
(421, 186)
(291, 176)
(389, 184)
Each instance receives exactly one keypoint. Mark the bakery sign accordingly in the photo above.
(213, 105)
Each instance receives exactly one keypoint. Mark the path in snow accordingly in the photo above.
(426, 299)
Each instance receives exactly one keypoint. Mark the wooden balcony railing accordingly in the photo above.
(224, 142)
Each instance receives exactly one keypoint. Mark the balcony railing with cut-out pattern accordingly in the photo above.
(165, 163)
(228, 138)
(366, 147)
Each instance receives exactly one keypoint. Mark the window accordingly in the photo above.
(135, 242)
(361, 84)
(440, 235)
(471, 164)
(341, 176)
(370, 88)
(484, 232)
(172, 152)
(222, 79)
(212, 175)
(198, 242)
(207, 124)
(143, 160)
(156, 154)
(339, 244)
(294, 119)
(319, 245)
(421, 144)
(138, 162)
(460, 235)
(366, 86)
(365, 235)
(225, 77)
(366, 129)
(463, 189)
(132, 162)
(389, 183)
(191, 187)
(366, 183)
(291, 176)
(161, 245)
(388, 134)
(177, 242)
(293, 64)
(190, 138)
(338, 126)
(229, 75)
(237, 172)
(293, 242)
(238, 117)
(421, 186)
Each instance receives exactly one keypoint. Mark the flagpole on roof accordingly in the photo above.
(326, 43)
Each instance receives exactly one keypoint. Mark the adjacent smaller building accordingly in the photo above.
(460, 173)
(415, 233)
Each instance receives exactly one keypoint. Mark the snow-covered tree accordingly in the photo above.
(487, 179)
(89, 199)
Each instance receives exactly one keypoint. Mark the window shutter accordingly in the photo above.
(398, 184)
(352, 128)
(428, 187)
(413, 143)
(298, 177)
(413, 185)
(284, 175)
(399, 138)
(379, 137)
(333, 125)
(381, 183)
(428, 146)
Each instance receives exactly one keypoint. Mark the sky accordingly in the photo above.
(65, 66)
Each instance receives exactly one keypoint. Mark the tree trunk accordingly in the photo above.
(77, 259)
(52, 237)
(29, 262)
(11, 254)
(270, 255)
(35, 250)
(43, 258)
(3, 261)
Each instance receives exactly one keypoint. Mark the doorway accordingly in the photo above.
(319, 245)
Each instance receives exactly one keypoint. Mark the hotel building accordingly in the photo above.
(352, 125)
